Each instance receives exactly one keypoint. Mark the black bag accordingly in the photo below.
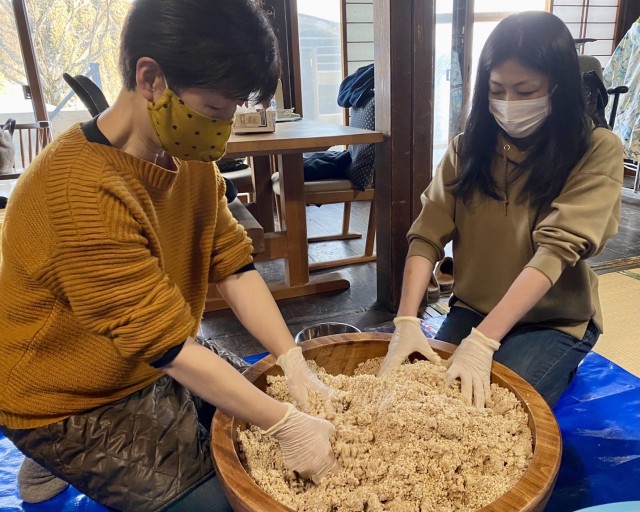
(596, 98)
(7, 149)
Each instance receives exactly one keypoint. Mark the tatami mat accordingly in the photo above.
(620, 300)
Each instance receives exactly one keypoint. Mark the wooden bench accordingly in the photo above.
(214, 301)
(251, 225)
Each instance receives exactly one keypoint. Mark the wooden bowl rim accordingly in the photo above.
(531, 490)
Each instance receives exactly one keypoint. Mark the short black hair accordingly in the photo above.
(224, 45)
(542, 42)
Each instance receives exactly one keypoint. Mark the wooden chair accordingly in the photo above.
(30, 139)
(251, 225)
(241, 178)
(89, 93)
(345, 191)
(333, 192)
(214, 301)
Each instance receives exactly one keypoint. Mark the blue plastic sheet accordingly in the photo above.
(599, 416)
(70, 500)
(255, 358)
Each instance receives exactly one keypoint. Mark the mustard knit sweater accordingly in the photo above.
(105, 264)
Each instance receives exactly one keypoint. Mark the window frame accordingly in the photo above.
(29, 59)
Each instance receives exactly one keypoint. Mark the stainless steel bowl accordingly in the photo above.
(324, 329)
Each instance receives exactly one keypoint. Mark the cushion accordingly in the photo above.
(314, 186)
(363, 156)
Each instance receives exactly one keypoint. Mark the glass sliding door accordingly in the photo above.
(15, 102)
(320, 59)
(462, 27)
(487, 14)
(447, 81)
(89, 46)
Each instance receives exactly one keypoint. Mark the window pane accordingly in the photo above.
(76, 38)
(320, 59)
(509, 6)
(359, 34)
(443, 75)
(482, 29)
(13, 103)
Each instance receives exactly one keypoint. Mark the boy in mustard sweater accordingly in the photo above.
(109, 243)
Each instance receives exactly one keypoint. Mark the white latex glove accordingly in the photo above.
(304, 441)
(407, 339)
(471, 363)
(301, 380)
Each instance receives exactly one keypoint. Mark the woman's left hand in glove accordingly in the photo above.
(471, 363)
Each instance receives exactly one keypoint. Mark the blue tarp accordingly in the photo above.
(599, 416)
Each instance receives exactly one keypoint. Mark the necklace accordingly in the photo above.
(506, 148)
(159, 154)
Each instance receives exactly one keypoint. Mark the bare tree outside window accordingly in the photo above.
(68, 36)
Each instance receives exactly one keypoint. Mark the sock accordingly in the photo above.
(37, 484)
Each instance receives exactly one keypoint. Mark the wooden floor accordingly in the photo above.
(357, 305)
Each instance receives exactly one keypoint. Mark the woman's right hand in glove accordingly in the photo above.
(407, 339)
(305, 443)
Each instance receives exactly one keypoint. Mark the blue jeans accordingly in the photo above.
(547, 359)
(207, 497)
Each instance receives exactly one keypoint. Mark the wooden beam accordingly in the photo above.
(628, 13)
(461, 55)
(331, 282)
(29, 58)
(284, 16)
(404, 54)
(343, 48)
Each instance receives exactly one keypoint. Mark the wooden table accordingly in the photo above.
(287, 144)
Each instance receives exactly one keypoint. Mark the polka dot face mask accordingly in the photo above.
(186, 134)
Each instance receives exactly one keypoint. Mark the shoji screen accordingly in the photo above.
(590, 19)
(358, 34)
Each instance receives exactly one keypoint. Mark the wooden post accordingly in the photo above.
(628, 13)
(29, 57)
(461, 42)
(404, 46)
(284, 16)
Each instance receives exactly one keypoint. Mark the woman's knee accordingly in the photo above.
(547, 359)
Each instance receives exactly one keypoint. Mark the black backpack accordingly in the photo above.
(596, 98)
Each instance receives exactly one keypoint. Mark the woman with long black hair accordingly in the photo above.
(526, 194)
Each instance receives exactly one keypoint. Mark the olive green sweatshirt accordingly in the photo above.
(494, 240)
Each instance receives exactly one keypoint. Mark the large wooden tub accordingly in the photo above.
(341, 354)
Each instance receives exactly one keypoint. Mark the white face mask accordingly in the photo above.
(520, 118)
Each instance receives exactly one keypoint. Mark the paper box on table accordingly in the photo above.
(259, 120)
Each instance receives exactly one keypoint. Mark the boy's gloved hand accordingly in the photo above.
(407, 339)
(305, 444)
(471, 363)
(301, 380)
